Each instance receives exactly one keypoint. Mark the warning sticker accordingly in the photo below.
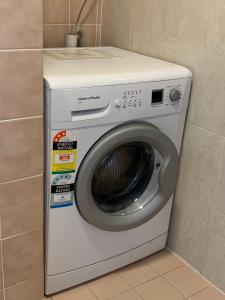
(63, 154)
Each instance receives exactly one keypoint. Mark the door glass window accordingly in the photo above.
(122, 176)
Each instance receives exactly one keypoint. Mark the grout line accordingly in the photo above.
(100, 32)
(115, 272)
(83, 25)
(2, 266)
(97, 12)
(66, 24)
(154, 278)
(57, 24)
(206, 129)
(196, 271)
(96, 21)
(20, 50)
(96, 35)
(69, 9)
(69, 24)
(35, 276)
(197, 292)
(137, 293)
(117, 295)
(90, 290)
(175, 268)
(174, 287)
(21, 179)
(20, 119)
(22, 233)
(133, 287)
(118, 273)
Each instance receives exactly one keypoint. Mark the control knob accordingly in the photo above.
(175, 95)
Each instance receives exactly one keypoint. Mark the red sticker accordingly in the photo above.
(59, 135)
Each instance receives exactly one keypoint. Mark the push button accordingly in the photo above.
(117, 103)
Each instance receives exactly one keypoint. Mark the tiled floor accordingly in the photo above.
(159, 277)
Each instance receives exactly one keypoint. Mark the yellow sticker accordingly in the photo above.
(63, 161)
(64, 150)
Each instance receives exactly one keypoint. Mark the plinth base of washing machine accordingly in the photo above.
(65, 280)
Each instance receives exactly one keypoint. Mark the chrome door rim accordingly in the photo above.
(129, 132)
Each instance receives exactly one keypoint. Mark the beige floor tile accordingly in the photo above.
(1, 295)
(79, 293)
(164, 261)
(186, 281)
(130, 295)
(108, 286)
(208, 294)
(137, 273)
(158, 289)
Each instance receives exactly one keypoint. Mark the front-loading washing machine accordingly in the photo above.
(114, 122)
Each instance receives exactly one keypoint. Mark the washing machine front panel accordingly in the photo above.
(126, 177)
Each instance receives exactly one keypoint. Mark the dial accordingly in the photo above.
(175, 95)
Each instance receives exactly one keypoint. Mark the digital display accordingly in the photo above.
(157, 96)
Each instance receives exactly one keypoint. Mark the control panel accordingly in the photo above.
(130, 98)
(119, 102)
(154, 95)
(174, 93)
(157, 97)
(170, 95)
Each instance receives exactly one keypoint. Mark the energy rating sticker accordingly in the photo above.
(63, 154)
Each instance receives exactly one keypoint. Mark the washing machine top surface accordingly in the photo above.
(67, 68)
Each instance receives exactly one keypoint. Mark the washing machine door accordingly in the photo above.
(126, 177)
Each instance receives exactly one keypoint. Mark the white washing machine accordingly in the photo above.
(114, 126)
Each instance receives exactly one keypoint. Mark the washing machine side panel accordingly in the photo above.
(47, 163)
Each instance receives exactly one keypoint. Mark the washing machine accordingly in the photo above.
(114, 122)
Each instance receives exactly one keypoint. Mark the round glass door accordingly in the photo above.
(127, 176)
(122, 176)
